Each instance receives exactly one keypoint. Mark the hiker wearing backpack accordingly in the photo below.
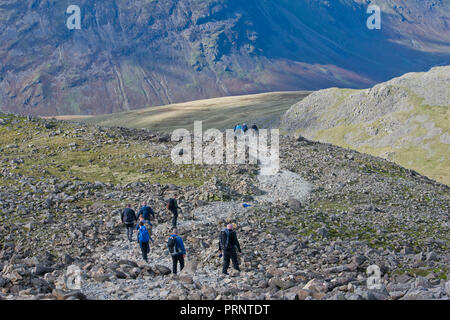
(255, 129)
(244, 127)
(238, 130)
(144, 239)
(173, 207)
(228, 243)
(147, 225)
(176, 249)
(145, 211)
(128, 217)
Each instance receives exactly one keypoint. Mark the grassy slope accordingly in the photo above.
(430, 158)
(221, 113)
(97, 156)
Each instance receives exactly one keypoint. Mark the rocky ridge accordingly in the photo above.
(355, 211)
(405, 120)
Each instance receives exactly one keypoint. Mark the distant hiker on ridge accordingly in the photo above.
(238, 129)
(128, 217)
(228, 243)
(255, 129)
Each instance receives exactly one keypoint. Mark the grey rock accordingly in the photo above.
(294, 204)
(421, 282)
(40, 270)
(353, 296)
(163, 269)
(359, 259)
(431, 256)
(447, 288)
(3, 282)
(119, 274)
(337, 296)
(323, 232)
(417, 294)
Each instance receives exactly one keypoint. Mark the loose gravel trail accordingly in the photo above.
(279, 186)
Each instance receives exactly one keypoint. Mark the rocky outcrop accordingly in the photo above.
(405, 120)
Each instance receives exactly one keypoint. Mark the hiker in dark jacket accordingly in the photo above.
(128, 217)
(173, 207)
(143, 239)
(255, 129)
(228, 243)
(145, 211)
(176, 249)
(244, 127)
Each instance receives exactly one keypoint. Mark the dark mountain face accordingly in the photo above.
(135, 53)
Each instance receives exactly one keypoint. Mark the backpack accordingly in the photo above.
(225, 239)
(173, 246)
(171, 204)
(146, 212)
(129, 215)
(143, 234)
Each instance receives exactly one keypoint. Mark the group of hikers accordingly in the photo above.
(228, 241)
(240, 129)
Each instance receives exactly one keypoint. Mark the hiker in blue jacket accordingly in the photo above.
(145, 211)
(238, 130)
(144, 238)
(147, 224)
(176, 249)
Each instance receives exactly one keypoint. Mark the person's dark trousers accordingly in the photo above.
(145, 248)
(175, 260)
(174, 219)
(227, 256)
(130, 228)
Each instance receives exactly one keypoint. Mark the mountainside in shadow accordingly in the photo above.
(135, 53)
(405, 120)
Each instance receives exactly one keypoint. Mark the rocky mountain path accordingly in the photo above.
(279, 187)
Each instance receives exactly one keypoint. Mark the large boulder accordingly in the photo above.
(162, 269)
(317, 288)
(190, 267)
